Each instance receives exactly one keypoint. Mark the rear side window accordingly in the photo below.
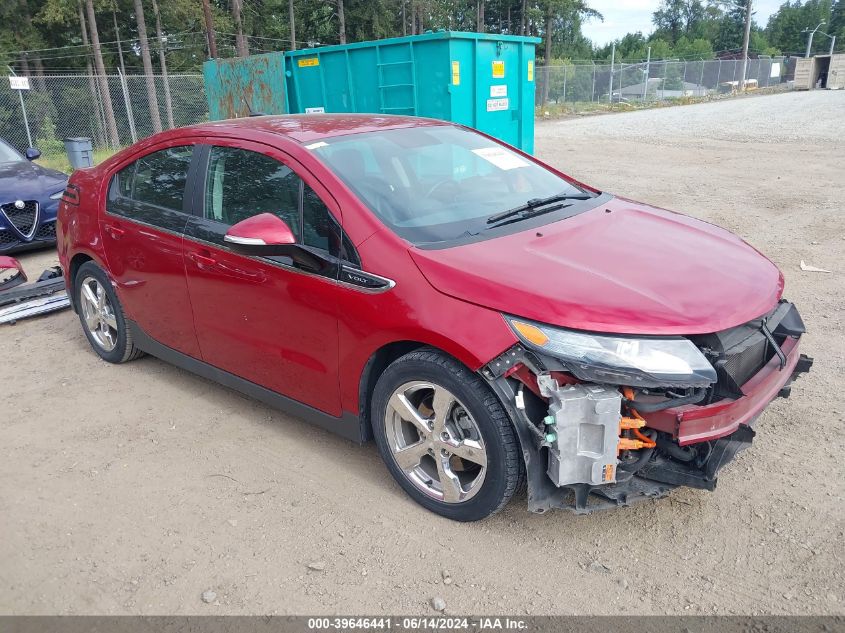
(157, 180)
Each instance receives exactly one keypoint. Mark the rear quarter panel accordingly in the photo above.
(77, 226)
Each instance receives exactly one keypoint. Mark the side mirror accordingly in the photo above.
(32, 153)
(267, 235)
(263, 234)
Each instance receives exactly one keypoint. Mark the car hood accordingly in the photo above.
(24, 180)
(622, 267)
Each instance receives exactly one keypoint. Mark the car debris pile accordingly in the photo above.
(20, 300)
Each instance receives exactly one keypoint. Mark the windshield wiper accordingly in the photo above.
(535, 206)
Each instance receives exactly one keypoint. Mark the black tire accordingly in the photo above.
(505, 468)
(124, 349)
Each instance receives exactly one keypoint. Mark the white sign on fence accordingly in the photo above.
(19, 83)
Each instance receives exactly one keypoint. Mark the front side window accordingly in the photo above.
(439, 183)
(241, 183)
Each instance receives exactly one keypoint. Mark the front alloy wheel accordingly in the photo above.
(444, 436)
(436, 442)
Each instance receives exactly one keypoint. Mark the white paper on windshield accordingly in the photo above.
(317, 145)
(500, 158)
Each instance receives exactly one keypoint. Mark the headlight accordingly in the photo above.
(58, 194)
(637, 362)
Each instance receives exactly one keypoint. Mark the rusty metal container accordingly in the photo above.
(242, 86)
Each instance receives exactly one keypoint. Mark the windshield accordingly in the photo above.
(8, 155)
(434, 184)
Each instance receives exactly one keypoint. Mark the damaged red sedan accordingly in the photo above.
(485, 318)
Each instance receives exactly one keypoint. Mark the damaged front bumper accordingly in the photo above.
(572, 433)
(20, 301)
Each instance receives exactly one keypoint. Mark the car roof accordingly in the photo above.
(305, 128)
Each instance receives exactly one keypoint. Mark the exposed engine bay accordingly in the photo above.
(593, 445)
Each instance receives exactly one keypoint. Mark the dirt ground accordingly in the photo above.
(133, 489)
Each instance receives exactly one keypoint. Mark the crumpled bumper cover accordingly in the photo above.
(11, 273)
(690, 424)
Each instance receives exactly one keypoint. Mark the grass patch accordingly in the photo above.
(61, 163)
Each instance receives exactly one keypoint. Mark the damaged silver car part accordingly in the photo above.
(45, 295)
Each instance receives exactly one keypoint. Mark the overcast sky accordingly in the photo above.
(628, 16)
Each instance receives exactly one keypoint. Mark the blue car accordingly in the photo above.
(29, 200)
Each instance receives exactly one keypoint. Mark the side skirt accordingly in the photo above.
(348, 426)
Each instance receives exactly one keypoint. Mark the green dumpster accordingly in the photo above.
(484, 81)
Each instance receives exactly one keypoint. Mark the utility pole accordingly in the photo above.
(745, 41)
(810, 38)
(292, 26)
(119, 44)
(209, 29)
(610, 87)
(168, 103)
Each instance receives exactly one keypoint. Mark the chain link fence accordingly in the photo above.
(655, 80)
(114, 111)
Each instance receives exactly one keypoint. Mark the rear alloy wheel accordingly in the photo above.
(445, 437)
(98, 313)
(101, 315)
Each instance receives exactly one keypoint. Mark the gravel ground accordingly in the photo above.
(143, 489)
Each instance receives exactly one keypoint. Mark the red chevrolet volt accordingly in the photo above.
(485, 318)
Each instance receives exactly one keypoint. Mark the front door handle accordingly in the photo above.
(202, 261)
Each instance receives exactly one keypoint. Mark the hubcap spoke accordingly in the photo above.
(449, 481)
(101, 296)
(441, 403)
(409, 457)
(89, 295)
(469, 450)
(407, 411)
(111, 321)
(107, 335)
(91, 319)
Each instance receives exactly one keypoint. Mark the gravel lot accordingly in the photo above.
(134, 489)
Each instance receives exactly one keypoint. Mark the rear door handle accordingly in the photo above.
(203, 261)
(114, 230)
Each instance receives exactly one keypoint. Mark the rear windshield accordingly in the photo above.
(437, 184)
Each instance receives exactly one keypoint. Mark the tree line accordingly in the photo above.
(147, 36)
(156, 37)
(697, 29)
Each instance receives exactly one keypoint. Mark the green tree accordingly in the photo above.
(837, 20)
(679, 18)
(786, 28)
(693, 49)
